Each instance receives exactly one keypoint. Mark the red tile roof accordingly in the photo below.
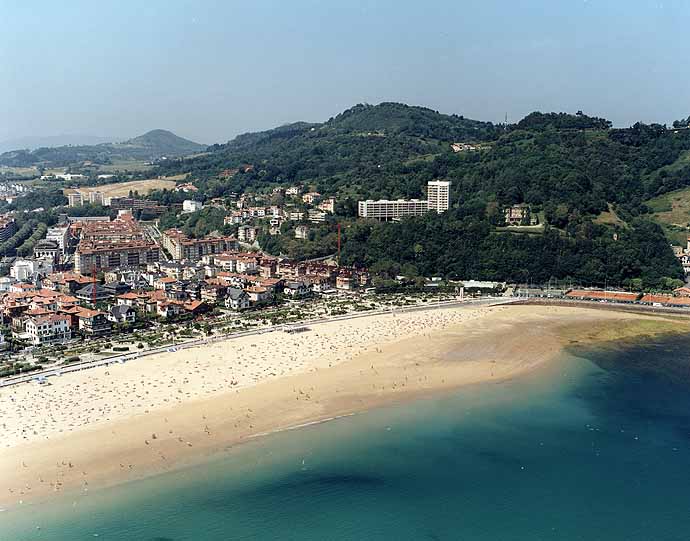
(602, 295)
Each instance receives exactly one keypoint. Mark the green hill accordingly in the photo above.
(568, 168)
(361, 151)
(151, 146)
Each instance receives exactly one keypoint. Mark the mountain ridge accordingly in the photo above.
(152, 145)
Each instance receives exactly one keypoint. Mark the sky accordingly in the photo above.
(209, 70)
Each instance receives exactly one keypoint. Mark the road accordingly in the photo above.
(154, 234)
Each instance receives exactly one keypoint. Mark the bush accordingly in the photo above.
(74, 359)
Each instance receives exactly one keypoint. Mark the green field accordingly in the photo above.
(609, 217)
(672, 212)
(672, 208)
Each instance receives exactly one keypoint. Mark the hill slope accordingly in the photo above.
(567, 168)
(152, 145)
(359, 151)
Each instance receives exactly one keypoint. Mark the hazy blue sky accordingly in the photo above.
(209, 70)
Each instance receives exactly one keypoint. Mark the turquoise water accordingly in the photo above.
(594, 448)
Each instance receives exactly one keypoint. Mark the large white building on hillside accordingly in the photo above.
(438, 195)
(386, 210)
(438, 200)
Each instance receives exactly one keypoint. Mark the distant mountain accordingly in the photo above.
(162, 143)
(31, 143)
(151, 146)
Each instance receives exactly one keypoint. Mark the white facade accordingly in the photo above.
(25, 270)
(384, 209)
(438, 195)
(96, 198)
(189, 205)
(302, 232)
(5, 283)
(246, 233)
(58, 235)
(48, 329)
(74, 199)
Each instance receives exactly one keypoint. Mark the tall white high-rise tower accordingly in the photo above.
(438, 195)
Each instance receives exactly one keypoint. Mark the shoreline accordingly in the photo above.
(485, 345)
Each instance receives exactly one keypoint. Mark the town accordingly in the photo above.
(129, 283)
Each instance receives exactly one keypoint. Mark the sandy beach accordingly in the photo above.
(107, 425)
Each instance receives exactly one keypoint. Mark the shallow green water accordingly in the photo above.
(591, 449)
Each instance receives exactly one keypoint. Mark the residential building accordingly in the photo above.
(182, 247)
(167, 309)
(106, 255)
(165, 283)
(237, 299)
(302, 232)
(328, 205)
(96, 198)
(386, 210)
(186, 188)
(93, 322)
(464, 147)
(519, 215)
(295, 289)
(310, 197)
(8, 227)
(259, 295)
(60, 236)
(246, 233)
(48, 329)
(124, 228)
(438, 195)
(316, 216)
(132, 204)
(213, 293)
(74, 199)
(91, 292)
(121, 313)
(189, 205)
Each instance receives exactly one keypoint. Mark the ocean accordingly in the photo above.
(595, 446)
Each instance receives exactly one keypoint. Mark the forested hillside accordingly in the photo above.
(568, 168)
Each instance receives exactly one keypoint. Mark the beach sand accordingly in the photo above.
(107, 425)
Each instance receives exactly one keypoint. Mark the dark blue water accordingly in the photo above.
(595, 447)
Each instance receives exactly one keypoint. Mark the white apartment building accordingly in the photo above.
(51, 329)
(59, 235)
(438, 195)
(246, 233)
(189, 205)
(96, 198)
(302, 232)
(74, 199)
(386, 210)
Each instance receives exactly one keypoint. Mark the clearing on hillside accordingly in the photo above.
(609, 217)
(122, 189)
(672, 208)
